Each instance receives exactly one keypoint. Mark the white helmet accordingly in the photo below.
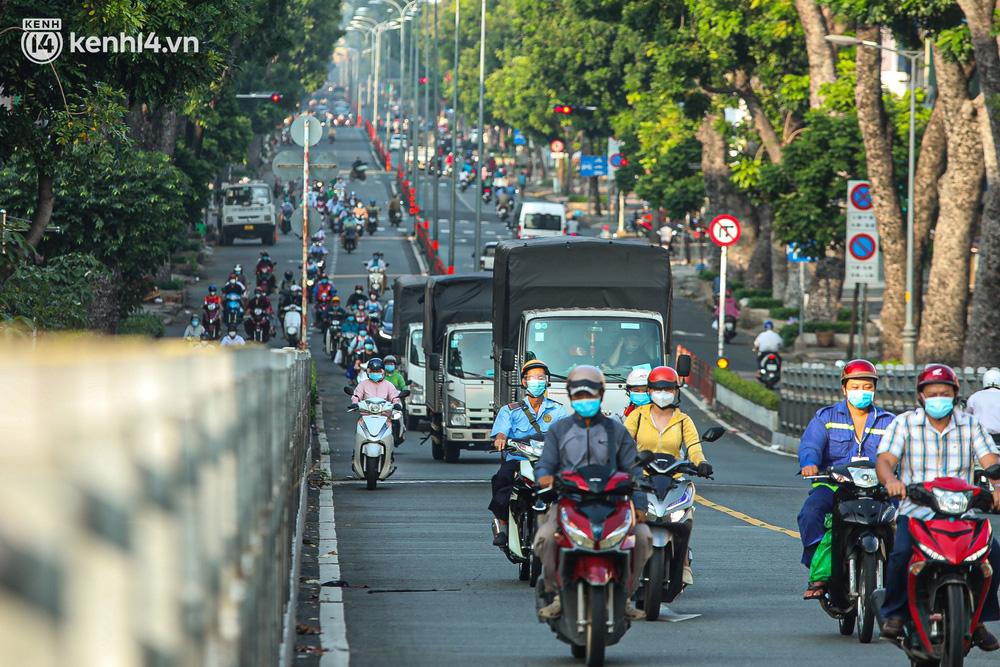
(991, 378)
(637, 378)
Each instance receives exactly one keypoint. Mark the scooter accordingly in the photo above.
(864, 528)
(769, 369)
(234, 309)
(376, 280)
(292, 323)
(323, 316)
(525, 509)
(372, 224)
(358, 172)
(258, 327)
(487, 194)
(350, 244)
(594, 564)
(359, 226)
(503, 213)
(212, 318)
(374, 443)
(395, 217)
(949, 572)
(265, 279)
(331, 338)
(669, 517)
(730, 328)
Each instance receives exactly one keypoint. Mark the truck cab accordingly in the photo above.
(414, 369)
(247, 212)
(407, 341)
(466, 372)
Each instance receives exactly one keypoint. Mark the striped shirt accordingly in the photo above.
(925, 454)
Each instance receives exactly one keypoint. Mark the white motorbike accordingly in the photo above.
(292, 323)
(374, 446)
(376, 279)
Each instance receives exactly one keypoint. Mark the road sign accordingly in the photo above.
(593, 165)
(557, 146)
(724, 230)
(796, 254)
(614, 154)
(862, 247)
(519, 139)
(616, 160)
(287, 165)
(862, 261)
(298, 131)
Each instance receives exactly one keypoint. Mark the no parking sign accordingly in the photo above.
(863, 261)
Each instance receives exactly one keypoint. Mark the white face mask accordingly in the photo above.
(662, 399)
(232, 334)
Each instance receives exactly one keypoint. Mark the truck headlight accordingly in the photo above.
(455, 405)
(459, 420)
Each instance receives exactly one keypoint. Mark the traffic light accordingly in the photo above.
(564, 109)
(423, 81)
(624, 162)
(722, 363)
(276, 97)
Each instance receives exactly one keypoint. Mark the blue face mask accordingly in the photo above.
(860, 398)
(639, 397)
(376, 377)
(195, 322)
(587, 407)
(939, 407)
(536, 387)
(389, 368)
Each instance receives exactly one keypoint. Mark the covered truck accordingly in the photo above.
(407, 341)
(570, 301)
(457, 343)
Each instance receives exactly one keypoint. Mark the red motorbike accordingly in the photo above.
(265, 278)
(595, 541)
(949, 571)
(258, 326)
(212, 317)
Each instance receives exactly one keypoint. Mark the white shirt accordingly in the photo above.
(768, 340)
(235, 340)
(985, 404)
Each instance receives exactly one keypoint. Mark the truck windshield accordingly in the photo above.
(469, 355)
(549, 221)
(615, 345)
(417, 347)
(250, 195)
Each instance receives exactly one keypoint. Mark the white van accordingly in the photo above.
(537, 219)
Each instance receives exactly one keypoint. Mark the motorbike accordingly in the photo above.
(331, 338)
(372, 224)
(358, 172)
(669, 516)
(350, 244)
(487, 194)
(594, 564)
(395, 217)
(338, 223)
(769, 369)
(286, 223)
(323, 316)
(266, 279)
(730, 328)
(212, 317)
(525, 509)
(359, 226)
(464, 180)
(234, 310)
(322, 210)
(292, 323)
(374, 444)
(258, 326)
(864, 527)
(949, 572)
(503, 213)
(376, 280)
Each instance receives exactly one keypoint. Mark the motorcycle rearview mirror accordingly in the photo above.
(507, 359)
(683, 365)
(713, 434)
(348, 391)
(434, 361)
(404, 393)
(993, 472)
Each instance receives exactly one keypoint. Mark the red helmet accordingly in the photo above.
(859, 369)
(663, 377)
(937, 374)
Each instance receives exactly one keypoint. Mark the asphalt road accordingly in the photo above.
(424, 585)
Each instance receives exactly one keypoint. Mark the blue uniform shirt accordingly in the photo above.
(830, 440)
(515, 425)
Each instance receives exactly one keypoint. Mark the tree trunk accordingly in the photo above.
(827, 284)
(44, 200)
(822, 69)
(768, 135)
(930, 167)
(165, 131)
(758, 272)
(983, 343)
(877, 137)
(942, 330)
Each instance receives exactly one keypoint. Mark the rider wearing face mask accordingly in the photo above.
(839, 433)
(358, 296)
(638, 392)
(661, 427)
(532, 415)
(392, 373)
(376, 386)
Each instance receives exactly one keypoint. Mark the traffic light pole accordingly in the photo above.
(454, 146)
(479, 166)
(434, 129)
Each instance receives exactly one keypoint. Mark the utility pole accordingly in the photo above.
(454, 147)
(415, 98)
(479, 165)
(436, 114)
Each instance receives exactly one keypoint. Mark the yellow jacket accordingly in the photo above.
(680, 430)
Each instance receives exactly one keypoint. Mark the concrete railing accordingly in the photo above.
(150, 496)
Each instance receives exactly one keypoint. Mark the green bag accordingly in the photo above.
(822, 560)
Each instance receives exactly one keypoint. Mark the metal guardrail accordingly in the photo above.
(805, 388)
(149, 497)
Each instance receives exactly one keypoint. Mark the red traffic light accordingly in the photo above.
(423, 81)
(275, 97)
(624, 162)
(563, 109)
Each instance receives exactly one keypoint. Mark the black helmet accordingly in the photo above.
(372, 202)
(289, 275)
(375, 365)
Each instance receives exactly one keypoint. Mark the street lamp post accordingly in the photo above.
(479, 165)
(454, 146)
(909, 330)
(435, 113)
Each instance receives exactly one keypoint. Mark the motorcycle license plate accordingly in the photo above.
(771, 367)
(249, 228)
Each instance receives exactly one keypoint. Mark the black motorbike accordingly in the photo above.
(395, 217)
(525, 509)
(372, 224)
(729, 333)
(358, 172)
(864, 527)
(350, 244)
(769, 369)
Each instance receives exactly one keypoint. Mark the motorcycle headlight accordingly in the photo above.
(619, 533)
(952, 502)
(930, 553)
(676, 516)
(979, 554)
(864, 478)
(577, 536)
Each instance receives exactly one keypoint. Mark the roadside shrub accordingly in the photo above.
(708, 275)
(764, 302)
(142, 324)
(748, 389)
(750, 293)
(783, 313)
(789, 333)
(820, 325)
(844, 315)
(171, 285)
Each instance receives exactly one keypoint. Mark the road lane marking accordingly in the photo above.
(736, 514)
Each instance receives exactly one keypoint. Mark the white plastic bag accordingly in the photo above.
(339, 358)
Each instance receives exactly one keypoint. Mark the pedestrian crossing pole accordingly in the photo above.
(303, 344)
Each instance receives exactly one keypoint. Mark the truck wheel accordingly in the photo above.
(452, 450)
(267, 238)
(412, 423)
(437, 449)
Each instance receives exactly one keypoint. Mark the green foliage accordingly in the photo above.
(789, 333)
(748, 389)
(57, 295)
(819, 325)
(142, 324)
(708, 275)
(763, 302)
(844, 315)
(750, 293)
(782, 313)
(170, 285)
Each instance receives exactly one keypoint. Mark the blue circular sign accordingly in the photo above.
(861, 197)
(616, 160)
(862, 247)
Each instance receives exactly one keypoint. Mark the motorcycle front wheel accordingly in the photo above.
(868, 582)
(371, 472)
(956, 625)
(597, 626)
(657, 568)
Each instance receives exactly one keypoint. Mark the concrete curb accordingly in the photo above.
(333, 628)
